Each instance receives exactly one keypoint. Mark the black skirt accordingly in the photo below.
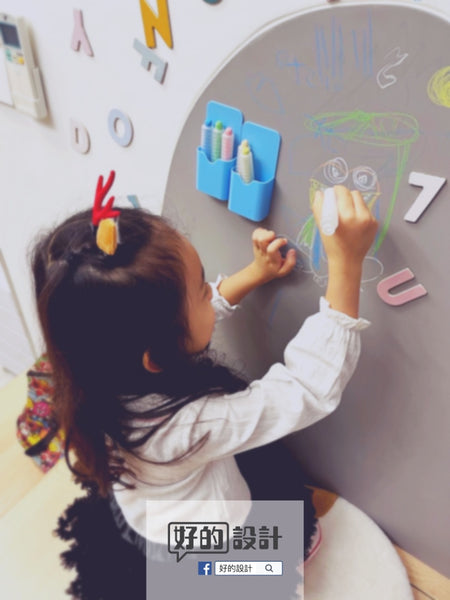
(110, 557)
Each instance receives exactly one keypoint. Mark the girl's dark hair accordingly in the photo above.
(99, 314)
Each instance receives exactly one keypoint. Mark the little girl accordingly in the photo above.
(148, 413)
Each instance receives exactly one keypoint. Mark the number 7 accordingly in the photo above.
(431, 187)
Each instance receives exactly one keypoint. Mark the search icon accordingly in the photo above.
(269, 568)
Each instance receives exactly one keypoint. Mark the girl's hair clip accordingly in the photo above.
(103, 217)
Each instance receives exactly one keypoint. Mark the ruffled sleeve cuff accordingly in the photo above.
(220, 304)
(341, 318)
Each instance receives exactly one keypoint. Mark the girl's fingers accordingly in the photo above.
(262, 237)
(275, 246)
(345, 202)
(317, 205)
(289, 263)
(361, 207)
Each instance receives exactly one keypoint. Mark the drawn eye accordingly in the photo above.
(335, 170)
(365, 179)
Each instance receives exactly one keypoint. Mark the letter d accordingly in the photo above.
(79, 137)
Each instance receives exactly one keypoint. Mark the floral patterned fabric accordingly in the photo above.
(37, 429)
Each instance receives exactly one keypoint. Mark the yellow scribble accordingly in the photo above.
(439, 87)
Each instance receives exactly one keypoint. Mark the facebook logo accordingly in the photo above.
(204, 567)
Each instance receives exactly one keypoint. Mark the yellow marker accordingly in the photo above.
(107, 236)
(161, 23)
(246, 164)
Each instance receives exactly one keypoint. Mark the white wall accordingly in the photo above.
(43, 178)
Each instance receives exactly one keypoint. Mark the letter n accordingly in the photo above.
(161, 23)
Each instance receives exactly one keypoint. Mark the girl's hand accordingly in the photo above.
(268, 262)
(356, 230)
(346, 248)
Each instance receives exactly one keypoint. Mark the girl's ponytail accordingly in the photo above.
(99, 315)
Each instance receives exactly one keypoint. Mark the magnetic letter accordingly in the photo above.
(148, 58)
(125, 138)
(79, 137)
(386, 285)
(79, 37)
(431, 187)
(161, 23)
(134, 200)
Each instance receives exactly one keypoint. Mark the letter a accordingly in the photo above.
(79, 37)
(161, 23)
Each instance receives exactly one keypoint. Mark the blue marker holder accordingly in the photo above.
(252, 200)
(213, 177)
(220, 179)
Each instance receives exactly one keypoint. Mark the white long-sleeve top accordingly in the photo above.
(318, 363)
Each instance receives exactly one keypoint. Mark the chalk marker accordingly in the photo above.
(241, 146)
(206, 138)
(246, 165)
(330, 218)
(216, 148)
(227, 144)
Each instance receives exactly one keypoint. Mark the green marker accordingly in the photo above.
(216, 149)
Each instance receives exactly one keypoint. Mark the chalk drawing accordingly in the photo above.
(383, 130)
(386, 79)
(333, 58)
(265, 93)
(336, 171)
(439, 87)
(364, 178)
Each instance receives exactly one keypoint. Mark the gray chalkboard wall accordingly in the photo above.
(359, 94)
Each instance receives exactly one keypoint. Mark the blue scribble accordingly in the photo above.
(331, 57)
(316, 251)
(275, 304)
(355, 48)
(265, 93)
(341, 52)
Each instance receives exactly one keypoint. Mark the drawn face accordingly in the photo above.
(336, 172)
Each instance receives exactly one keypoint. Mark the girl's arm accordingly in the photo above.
(267, 264)
(346, 248)
(318, 361)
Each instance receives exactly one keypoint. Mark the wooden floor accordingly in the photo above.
(426, 583)
(30, 504)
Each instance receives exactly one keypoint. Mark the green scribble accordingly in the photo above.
(384, 130)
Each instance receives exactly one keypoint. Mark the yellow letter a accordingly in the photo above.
(161, 23)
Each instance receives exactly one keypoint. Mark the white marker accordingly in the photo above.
(330, 218)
